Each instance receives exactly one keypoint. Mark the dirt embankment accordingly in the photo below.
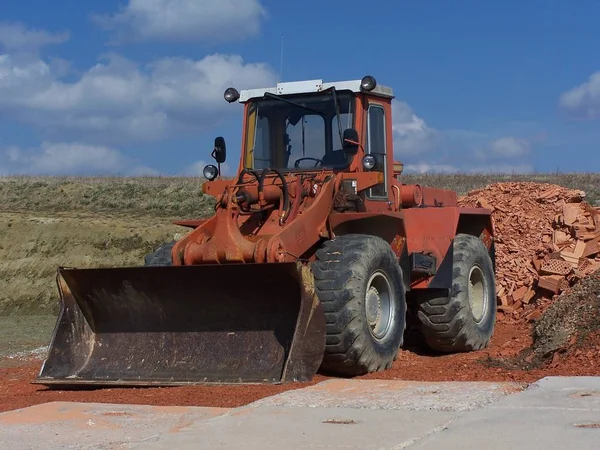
(33, 246)
(46, 222)
(566, 338)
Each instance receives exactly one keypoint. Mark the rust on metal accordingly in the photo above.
(438, 197)
(182, 325)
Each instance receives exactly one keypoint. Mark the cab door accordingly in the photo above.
(377, 145)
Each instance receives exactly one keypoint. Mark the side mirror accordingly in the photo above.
(350, 144)
(220, 152)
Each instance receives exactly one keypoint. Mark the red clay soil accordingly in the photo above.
(16, 390)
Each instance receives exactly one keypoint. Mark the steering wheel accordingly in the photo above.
(296, 165)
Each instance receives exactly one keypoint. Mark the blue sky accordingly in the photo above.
(135, 86)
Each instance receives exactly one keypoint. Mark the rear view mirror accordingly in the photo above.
(220, 152)
(350, 144)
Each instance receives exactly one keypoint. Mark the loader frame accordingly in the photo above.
(296, 221)
(419, 221)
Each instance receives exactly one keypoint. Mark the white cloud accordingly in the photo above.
(185, 20)
(583, 100)
(506, 148)
(503, 168)
(412, 136)
(424, 149)
(71, 158)
(143, 170)
(423, 167)
(117, 100)
(16, 37)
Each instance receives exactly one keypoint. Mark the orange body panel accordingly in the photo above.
(286, 218)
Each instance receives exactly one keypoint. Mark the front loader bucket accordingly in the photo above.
(239, 323)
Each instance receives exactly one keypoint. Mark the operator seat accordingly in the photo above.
(336, 158)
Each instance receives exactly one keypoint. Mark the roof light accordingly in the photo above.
(231, 94)
(368, 83)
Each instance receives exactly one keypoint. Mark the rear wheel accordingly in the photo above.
(463, 320)
(161, 257)
(359, 283)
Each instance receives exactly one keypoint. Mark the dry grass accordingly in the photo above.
(33, 246)
(141, 196)
(47, 222)
(463, 183)
(177, 197)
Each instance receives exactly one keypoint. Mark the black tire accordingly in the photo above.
(161, 257)
(450, 323)
(343, 271)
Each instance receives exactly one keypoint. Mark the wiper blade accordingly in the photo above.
(269, 94)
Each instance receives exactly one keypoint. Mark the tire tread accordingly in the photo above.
(446, 321)
(339, 271)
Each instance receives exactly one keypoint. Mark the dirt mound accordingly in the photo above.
(567, 335)
(547, 239)
(570, 319)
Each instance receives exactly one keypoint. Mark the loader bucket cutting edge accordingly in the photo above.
(162, 326)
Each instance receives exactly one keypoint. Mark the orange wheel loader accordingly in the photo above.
(315, 259)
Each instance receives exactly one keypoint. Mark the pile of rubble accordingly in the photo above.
(547, 238)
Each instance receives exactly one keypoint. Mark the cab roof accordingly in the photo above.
(313, 86)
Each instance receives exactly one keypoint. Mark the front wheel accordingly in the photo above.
(359, 283)
(463, 320)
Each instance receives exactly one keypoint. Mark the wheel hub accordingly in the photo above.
(477, 293)
(380, 305)
(373, 304)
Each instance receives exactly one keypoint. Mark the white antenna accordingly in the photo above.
(281, 62)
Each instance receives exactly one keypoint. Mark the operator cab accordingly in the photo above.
(312, 126)
(302, 131)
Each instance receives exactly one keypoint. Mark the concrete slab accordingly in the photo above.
(524, 429)
(94, 425)
(274, 428)
(340, 414)
(559, 393)
(554, 413)
(395, 394)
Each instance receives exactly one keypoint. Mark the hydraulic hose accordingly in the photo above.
(284, 189)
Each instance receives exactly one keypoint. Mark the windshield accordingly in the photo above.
(303, 135)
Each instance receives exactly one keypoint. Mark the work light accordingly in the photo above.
(210, 172)
(369, 162)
